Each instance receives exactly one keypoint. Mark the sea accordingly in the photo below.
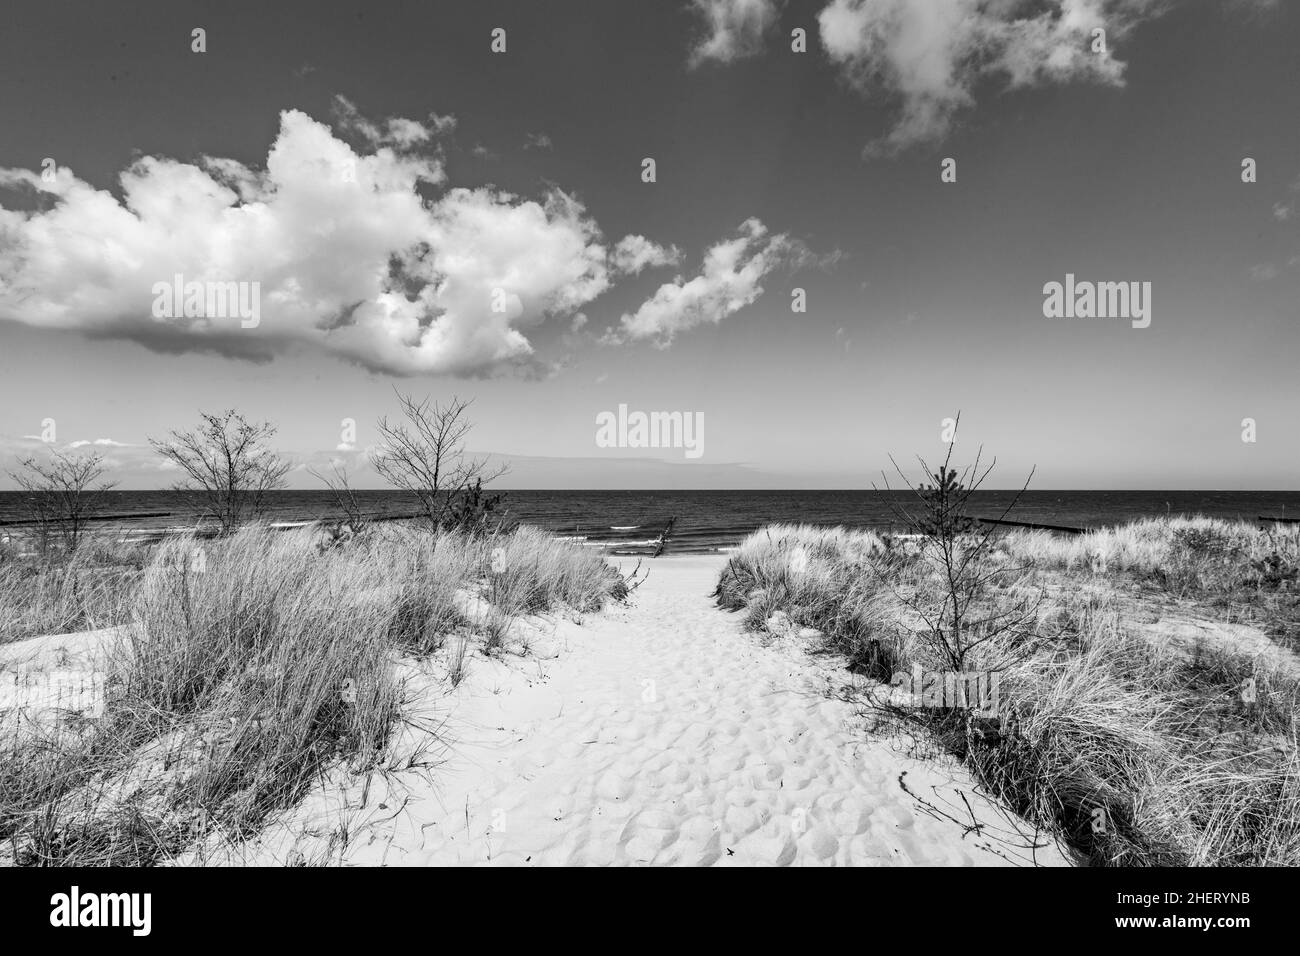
(632, 522)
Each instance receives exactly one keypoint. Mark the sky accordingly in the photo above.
(423, 213)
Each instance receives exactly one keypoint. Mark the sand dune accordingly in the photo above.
(655, 733)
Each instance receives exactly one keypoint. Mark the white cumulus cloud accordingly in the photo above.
(350, 259)
(730, 279)
(930, 55)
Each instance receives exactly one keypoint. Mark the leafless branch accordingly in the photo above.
(423, 453)
(62, 495)
(228, 468)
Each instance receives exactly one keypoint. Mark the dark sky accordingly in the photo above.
(923, 297)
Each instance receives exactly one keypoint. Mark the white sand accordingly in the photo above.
(654, 733)
(1186, 632)
(41, 678)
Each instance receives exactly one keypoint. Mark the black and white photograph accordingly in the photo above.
(619, 433)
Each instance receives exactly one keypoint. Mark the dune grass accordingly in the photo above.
(238, 679)
(435, 579)
(1133, 753)
(250, 665)
(1235, 570)
(52, 593)
(1188, 555)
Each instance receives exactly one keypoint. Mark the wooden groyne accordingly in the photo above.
(1033, 526)
(383, 516)
(663, 537)
(176, 529)
(32, 522)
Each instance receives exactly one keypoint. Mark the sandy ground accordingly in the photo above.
(42, 676)
(653, 733)
(657, 732)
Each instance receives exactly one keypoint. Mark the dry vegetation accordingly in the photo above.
(244, 666)
(239, 668)
(1232, 570)
(84, 591)
(1132, 750)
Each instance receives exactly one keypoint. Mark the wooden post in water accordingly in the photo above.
(663, 537)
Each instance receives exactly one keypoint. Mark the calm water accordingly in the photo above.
(707, 521)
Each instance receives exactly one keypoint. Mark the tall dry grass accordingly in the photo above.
(448, 582)
(1237, 571)
(53, 593)
(251, 664)
(1133, 753)
(238, 680)
(1186, 553)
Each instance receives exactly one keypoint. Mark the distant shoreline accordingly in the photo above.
(710, 522)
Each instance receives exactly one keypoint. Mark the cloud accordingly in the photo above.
(395, 131)
(537, 141)
(632, 254)
(349, 257)
(102, 442)
(1263, 272)
(1256, 8)
(735, 28)
(1284, 210)
(931, 55)
(117, 457)
(729, 280)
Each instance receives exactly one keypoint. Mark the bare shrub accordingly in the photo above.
(354, 519)
(61, 496)
(424, 454)
(228, 466)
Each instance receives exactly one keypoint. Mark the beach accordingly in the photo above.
(657, 733)
(728, 433)
(408, 698)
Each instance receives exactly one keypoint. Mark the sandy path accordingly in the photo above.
(658, 733)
